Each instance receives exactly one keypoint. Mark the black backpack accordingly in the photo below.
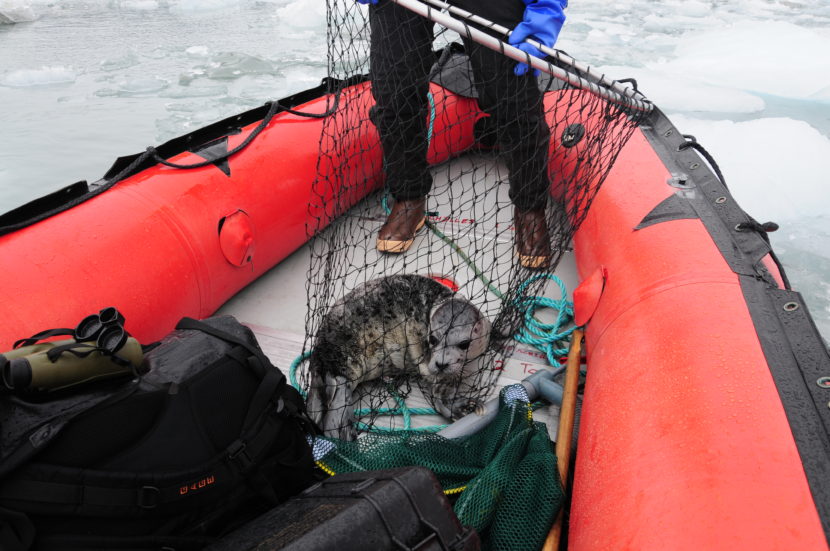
(210, 437)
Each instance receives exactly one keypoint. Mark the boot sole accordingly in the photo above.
(533, 262)
(397, 247)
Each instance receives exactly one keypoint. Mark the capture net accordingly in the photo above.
(417, 109)
(504, 479)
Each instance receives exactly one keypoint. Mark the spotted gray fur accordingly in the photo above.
(396, 325)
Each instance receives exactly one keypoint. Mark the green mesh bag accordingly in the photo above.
(505, 476)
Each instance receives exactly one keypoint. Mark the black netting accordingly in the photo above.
(442, 116)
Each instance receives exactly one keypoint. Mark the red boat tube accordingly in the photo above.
(166, 243)
(684, 442)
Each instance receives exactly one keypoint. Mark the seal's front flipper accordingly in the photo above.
(316, 402)
(338, 421)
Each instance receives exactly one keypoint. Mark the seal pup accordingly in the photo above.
(402, 324)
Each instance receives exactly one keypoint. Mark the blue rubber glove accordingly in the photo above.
(543, 19)
(367, 1)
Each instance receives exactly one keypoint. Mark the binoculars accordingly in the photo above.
(100, 348)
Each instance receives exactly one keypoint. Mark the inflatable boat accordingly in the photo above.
(705, 415)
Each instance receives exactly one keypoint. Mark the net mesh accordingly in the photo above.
(504, 479)
(419, 110)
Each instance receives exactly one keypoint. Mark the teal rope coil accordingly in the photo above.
(292, 373)
(545, 336)
(402, 410)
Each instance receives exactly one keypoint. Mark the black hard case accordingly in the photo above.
(375, 510)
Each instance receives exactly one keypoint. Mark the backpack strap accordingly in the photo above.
(196, 325)
(95, 493)
(273, 378)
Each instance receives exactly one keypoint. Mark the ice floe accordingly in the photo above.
(775, 167)
(23, 78)
(140, 86)
(304, 14)
(15, 11)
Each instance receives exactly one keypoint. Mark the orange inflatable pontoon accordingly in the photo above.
(704, 424)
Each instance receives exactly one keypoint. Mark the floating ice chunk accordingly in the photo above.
(657, 24)
(196, 91)
(144, 85)
(44, 76)
(676, 93)
(107, 93)
(304, 14)
(232, 65)
(197, 51)
(692, 8)
(15, 11)
(181, 121)
(775, 167)
(122, 62)
(135, 87)
(776, 58)
(598, 37)
(198, 6)
(159, 52)
(140, 5)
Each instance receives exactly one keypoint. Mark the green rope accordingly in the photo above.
(431, 126)
(402, 409)
(292, 373)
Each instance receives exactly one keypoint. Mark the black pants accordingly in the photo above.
(401, 58)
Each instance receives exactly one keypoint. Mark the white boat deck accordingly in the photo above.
(275, 306)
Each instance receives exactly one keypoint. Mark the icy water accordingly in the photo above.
(83, 82)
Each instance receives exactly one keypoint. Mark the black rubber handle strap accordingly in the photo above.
(37, 337)
(83, 350)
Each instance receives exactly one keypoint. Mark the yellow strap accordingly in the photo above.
(325, 468)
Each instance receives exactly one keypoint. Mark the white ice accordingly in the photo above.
(44, 76)
(200, 6)
(724, 70)
(16, 11)
(775, 167)
(304, 14)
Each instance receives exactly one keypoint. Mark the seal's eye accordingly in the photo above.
(433, 340)
(464, 345)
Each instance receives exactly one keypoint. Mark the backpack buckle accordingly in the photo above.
(237, 452)
(148, 497)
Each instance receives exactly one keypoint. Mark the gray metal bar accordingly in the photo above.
(560, 56)
(620, 98)
(539, 384)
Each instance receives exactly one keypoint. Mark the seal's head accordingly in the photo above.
(458, 334)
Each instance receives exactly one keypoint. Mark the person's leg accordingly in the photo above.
(516, 105)
(401, 57)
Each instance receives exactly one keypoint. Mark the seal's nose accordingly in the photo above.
(441, 366)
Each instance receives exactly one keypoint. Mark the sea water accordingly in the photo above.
(85, 81)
